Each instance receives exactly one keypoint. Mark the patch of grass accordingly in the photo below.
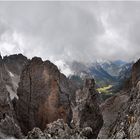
(105, 90)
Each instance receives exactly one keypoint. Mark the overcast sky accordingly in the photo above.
(67, 31)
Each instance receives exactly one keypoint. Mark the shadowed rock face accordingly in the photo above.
(13, 66)
(8, 126)
(15, 63)
(10, 70)
(136, 73)
(5, 102)
(87, 113)
(43, 95)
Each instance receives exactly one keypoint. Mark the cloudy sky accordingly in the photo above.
(67, 31)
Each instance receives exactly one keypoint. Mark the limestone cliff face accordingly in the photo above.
(86, 113)
(124, 111)
(43, 95)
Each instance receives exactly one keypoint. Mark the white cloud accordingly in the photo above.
(63, 67)
(68, 31)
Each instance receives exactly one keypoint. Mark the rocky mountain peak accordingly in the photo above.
(36, 60)
(15, 63)
(43, 96)
(14, 57)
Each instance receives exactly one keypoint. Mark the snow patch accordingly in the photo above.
(12, 93)
(11, 74)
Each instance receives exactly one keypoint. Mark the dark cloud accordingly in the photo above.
(81, 31)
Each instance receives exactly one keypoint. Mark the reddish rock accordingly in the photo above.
(43, 95)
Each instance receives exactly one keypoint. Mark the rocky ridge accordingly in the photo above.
(125, 112)
(43, 95)
(36, 97)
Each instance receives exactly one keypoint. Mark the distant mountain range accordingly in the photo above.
(104, 72)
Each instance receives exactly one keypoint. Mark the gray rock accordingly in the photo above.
(126, 123)
(110, 110)
(9, 128)
(60, 130)
(36, 133)
(87, 112)
(8, 125)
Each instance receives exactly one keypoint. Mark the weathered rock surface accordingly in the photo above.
(136, 73)
(8, 126)
(126, 118)
(109, 111)
(59, 130)
(127, 123)
(86, 113)
(14, 65)
(11, 68)
(43, 96)
(5, 102)
(34, 93)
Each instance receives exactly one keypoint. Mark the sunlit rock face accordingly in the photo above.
(43, 95)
